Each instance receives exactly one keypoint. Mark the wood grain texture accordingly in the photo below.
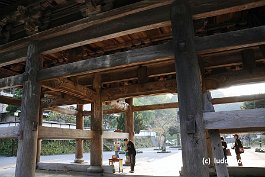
(189, 91)
(114, 135)
(218, 154)
(64, 133)
(12, 81)
(252, 118)
(29, 119)
(77, 33)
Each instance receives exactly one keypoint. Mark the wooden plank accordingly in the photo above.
(231, 40)
(30, 106)
(76, 33)
(218, 153)
(64, 110)
(189, 91)
(12, 81)
(63, 133)
(235, 99)
(234, 78)
(7, 57)
(155, 107)
(115, 135)
(9, 132)
(218, 42)
(71, 88)
(117, 60)
(10, 100)
(240, 119)
(158, 87)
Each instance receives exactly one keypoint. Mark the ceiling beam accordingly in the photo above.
(70, 88)
(12, 81)
(116, 24)
(10, 100)
(214, 43)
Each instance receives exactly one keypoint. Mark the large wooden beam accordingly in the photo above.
(12, 81)
(9, 132)
(189, 91)
(129, 121)
(218, 42)
(63, 133)
(235, 99)
(30, 106)
(86, 30)
(10, 100)
(155, 107)
(241, 119)
(115, 135)
(165, 86)
(234, 78)
(64, 110)
(71, 88)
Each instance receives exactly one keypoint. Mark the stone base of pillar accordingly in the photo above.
(79, 161)
(95, 169)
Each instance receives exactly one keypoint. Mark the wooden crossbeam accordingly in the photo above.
(86, 31)
(63, 133)
(214, 43)
(64, 110)
(158, 87)
(115, 135)
(251, 119)
(12, 81)
(9, 132)
(155, 107)
(10, 100)
(69, 87)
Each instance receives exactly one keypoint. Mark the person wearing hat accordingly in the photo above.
(131, 152)
(238, 149)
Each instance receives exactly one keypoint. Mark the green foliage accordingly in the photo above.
(58, 117)
(173, 130)
(52, 147)
(253, 104)
(11, 109)
(8, 147)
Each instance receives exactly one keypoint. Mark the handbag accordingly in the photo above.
(228, 152)
(241, 150)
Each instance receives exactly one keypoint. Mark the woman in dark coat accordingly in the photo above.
(238, 145)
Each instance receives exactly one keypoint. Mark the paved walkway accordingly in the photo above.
(148, 163)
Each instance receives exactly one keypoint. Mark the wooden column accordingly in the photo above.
(96, 126)
(220, 165)
(28, 133)
(208, 107)
(39, 140)
(189, 92)
(79, 142)
(129, 119)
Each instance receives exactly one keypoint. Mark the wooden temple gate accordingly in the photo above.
(119, 54)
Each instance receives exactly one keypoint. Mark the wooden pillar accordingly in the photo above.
(79, 142)
(28, 130)
(129, 119)
(220, 165)
(208, 107)
(39, 140)
(96, 126)
(189, 92)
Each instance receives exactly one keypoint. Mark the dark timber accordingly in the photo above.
(28, 133)
(189, 92)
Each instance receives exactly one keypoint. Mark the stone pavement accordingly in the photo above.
(148, 163)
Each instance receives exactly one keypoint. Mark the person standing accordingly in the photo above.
(238, 149)
(117, 148)
(131, 152)
(224, 146)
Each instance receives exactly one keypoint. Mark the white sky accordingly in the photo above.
(249, 89)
